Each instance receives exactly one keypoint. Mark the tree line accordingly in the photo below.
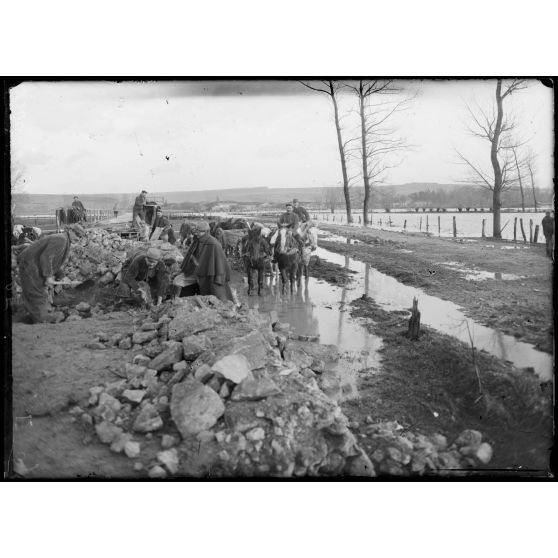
(378, 145)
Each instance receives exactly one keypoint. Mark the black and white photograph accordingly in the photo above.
(345, 278)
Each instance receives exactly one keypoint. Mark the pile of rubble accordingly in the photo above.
(403, 453)
(208, 389)
(99, 255)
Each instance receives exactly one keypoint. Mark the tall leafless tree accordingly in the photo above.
(332, 88)
(496, 128)
(530, 164)
(519, 170)
(377, 140)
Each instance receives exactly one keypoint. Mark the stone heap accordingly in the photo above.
(206, 391)
(403, 453)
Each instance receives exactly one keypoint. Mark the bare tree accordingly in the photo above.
(332, 197)
(530, 164)
(377, 140)
(496, 128)
(331, 88)
(518, 168)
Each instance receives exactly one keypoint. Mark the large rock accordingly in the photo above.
(234, 367)
(183, 325)
(141, 337)
(171, 355)
(148, 419)
(253, 388)
(194, 407)
(195, 345)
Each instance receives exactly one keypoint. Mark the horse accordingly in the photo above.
(68, 216)
(288, 257)
(309, 236)
(255, 252)
(23, 234)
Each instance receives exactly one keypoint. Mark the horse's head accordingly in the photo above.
(285, 239)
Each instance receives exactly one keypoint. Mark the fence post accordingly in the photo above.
(515, 229)
(454, 227)
(427, 223)
(420, 224)
(531, 231)
(405, 224)
(359, 219)
(536, 234)
(522, 230)
(438, 225)
(483, 223)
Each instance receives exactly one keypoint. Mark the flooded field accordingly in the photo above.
(467, 224)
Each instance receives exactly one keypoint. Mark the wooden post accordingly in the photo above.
(414, 321)
(420, 224)
(405, 224)
(483, 223)
(438, 225)
(522, 229)
(427, 223)
(515, 229)
(380, 222)
(359, 219)
(454, 227)
(531, 231)
(390, 221)
(535, 238)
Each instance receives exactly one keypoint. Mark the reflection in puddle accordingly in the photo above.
(318, 309)
(477, 275)
(441, 315)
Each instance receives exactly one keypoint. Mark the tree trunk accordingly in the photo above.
(496, 193)
(342, 156)
(533, 187)
(520, 182)
(365, 176)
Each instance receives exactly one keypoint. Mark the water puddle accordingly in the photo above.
(321, 310)
(441, 315)
(478, 275)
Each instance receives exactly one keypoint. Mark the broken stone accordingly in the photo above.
(167, 441)
(102, 336)
(141, 360)
(225, 391)
(194, 407)
(167, 358)
(134, 370)
(195, 345)
(254, 388)
(141, 337)
(182, 365)
(148, 419)
(83, 307)
(138, 466)
(149, 326)
(107, 432)
(233, 367)
(74, 318)
(157, 472)
(203, 374)
(255, 434)
(134, 395)
(169, 458)
(116, 338)
(484, 453)
(86, 418)
(215, 383)
(120, 442)
(125, 344)
(153, 349)
(469, 438)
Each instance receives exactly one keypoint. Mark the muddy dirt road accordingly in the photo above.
(357, 298)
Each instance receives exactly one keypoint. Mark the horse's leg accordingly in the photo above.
(261, 274)
(284, 279)
(249, 275)
(292, 274)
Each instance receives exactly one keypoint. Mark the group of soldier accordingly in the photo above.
(204, 270)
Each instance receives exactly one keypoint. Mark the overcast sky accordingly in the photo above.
(100, 137)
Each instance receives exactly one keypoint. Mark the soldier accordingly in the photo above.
(40, 265)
